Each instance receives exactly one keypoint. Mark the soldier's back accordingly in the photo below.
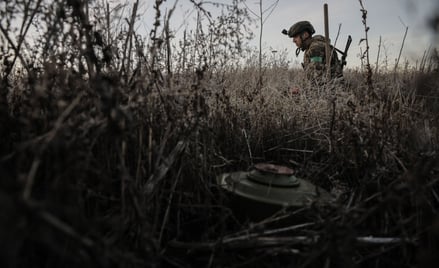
(314, 60)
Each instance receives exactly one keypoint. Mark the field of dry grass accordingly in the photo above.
(111, 143)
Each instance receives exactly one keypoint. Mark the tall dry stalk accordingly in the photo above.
(378, 56)
(129, 43)
(262, 19)
(365, 54)
(401, 48)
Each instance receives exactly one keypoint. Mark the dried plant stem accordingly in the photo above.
(168, 207)
(128, 42)
(164, 167)
(361, 59)
(46, 139)
(139, 154)
(88, 52)
(150, 140)
(328, 59)
(124, 176)
(333, 94)
(31, 178)
(423, 60)
(63, 227)
(185, 42)
(248, 145)
(156, 44)
(366, 52)
(266, 241)
(108, 18)
(261, 30)
(168, 50)
(262, 19)
(378, 56)
(402, 46)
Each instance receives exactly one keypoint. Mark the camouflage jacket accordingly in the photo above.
(314, 60)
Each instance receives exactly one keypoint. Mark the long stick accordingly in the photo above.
(327, 51)
(402, 46)
(128, 42)
(261, 18)
(268, 241)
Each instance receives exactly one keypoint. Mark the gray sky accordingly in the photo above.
(386, 18)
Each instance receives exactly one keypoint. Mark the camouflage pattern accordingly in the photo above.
(301, 27)
(314, 60)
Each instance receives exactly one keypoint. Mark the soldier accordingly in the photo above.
(314, 59)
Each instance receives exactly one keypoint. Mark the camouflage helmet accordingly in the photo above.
(300, 27)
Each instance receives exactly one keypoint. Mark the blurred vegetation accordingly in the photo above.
(111, 142)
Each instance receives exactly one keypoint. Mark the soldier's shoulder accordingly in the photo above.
(318, 37)
(318, 40)
(317, 45)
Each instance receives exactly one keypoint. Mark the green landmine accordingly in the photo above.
(267, 189)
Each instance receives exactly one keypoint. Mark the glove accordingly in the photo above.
(294, 90)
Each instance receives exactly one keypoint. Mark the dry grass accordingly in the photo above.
(109, 162)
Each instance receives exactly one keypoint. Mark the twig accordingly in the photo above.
(168, 45)
(124, 176)
(128, 41)
(31, 177)
(248, 145)
(168, 208)
(264, 241)
(296, 150)
(60, 225)
(163, 169)
(366, 52)
(47, 138)
(333, 97)
(402, 46)
(436, 196)
(65, 228)
(398, 160)
(267, 232)
(140, 134)
(378, 56)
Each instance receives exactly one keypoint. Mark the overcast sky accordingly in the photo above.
(386, 18)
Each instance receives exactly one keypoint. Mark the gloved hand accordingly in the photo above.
(294, 90)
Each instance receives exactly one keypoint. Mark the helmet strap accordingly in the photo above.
(302, 41)
(301, 47)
